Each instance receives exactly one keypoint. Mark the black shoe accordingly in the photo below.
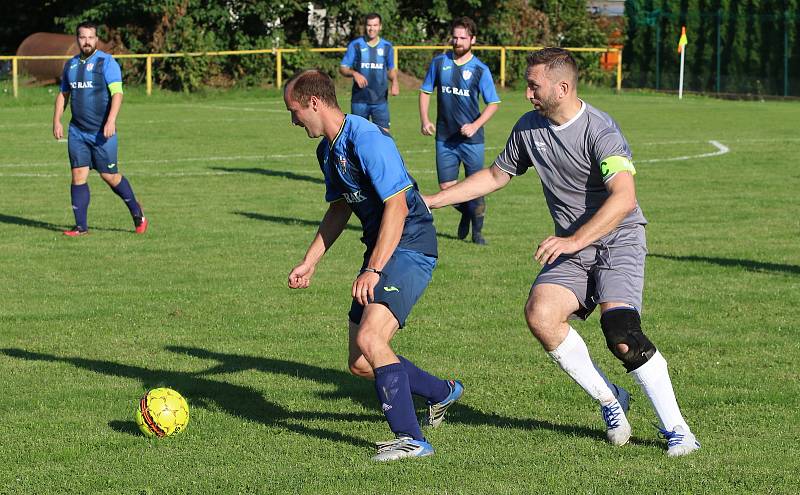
(463, 226)
(478, 239)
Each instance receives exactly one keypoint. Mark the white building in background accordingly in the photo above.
(326, 30)
(609, 8)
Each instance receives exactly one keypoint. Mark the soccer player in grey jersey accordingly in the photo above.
(597, 254)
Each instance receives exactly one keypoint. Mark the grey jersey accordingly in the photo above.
(567, 159)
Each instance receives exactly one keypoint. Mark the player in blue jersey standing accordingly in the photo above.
(92, 83)
(364, 174)
(369, 60)
(461, 78)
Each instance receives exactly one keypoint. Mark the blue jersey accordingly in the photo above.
(87, 83)
(373, 62)
(457, 98)
(364, 167)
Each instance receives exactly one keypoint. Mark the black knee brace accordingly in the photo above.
(623, 326)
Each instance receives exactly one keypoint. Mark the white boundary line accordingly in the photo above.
(721, 150)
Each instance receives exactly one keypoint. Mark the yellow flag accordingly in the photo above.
(683, 41)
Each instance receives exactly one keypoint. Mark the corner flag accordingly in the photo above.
(683, 41)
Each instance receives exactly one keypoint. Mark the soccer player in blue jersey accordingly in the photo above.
(364, 174)
(461, 77)
(369, 60)
(92, 83)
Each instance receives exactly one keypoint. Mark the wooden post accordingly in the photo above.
(149, 75)
(503, 67)
(15, 76)
(619, 71)
(279, 68)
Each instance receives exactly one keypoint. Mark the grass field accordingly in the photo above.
(200, 304)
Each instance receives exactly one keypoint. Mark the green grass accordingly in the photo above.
(200, 304)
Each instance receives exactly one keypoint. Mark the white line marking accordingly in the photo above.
(721, 150)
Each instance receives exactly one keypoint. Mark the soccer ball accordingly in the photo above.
(162, 412)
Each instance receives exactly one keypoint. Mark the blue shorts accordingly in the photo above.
(449, 157)
(403, 281)
(92, 149)
(378, 111)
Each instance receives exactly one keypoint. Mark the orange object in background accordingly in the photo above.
(609, 60)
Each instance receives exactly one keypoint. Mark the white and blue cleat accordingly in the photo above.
(401, 448)
(680, 441)
(618, 429)
(436, 411)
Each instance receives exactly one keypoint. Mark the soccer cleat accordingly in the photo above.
(141, 224)
(463, 226)
(478, 239)
(76, 232)
(680, 441)
(618, 429)
(402, 447)
(436, 411)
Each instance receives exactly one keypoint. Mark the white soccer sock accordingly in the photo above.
(653, 378)
(573, 357)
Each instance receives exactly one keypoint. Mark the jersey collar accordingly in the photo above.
(377, 41)
(333, 142)
(570, 121)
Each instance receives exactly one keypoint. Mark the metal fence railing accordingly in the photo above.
(279, 52)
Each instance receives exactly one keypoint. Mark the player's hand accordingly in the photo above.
(429, 202)
(109, 129)
(360, 80)
(364, 287)
(551, 248)
(428, 128)
(300, 276)
(395, 89)
(468, 130)
(58, 130)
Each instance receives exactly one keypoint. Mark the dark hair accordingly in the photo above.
(373, 15)
(312, 82)
(85, 25)
(555, 59)
(466, 23)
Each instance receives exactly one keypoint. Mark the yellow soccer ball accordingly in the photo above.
(162, 412)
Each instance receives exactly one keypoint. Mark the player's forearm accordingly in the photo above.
(487, 113)
(392, 75)
(116, 104)
(345, 71)
(476, 185)
(424, 104)
(606, 219)
(60, 105)
(391, 230)
(331, 226)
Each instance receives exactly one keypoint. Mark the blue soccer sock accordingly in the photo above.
(424, 384)
(394, 394)
(80, 204)
(124, 191)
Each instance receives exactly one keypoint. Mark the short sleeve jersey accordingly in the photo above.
(570, 161)
(87, 82)
(363, 166)
(457, 98)
(373, 62)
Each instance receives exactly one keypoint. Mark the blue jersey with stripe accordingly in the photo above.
(374, 63)
(363, 166)
(457, 98)
(87, 83)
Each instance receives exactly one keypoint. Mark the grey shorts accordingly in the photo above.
(611, 269)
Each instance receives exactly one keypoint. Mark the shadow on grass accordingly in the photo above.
(236, 400)
(127, 427)
(272, 173)
(358, 390)
(308, 223)
(27, 222)
(750, 265)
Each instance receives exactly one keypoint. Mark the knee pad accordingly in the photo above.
(623, 326)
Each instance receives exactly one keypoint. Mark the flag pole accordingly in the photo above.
(682, 50)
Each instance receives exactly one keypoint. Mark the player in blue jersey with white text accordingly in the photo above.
(369, 60)
(461, 77)
(365, 174)
(92, 82)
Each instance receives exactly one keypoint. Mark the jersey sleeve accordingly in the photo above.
(430, 78)
(111, 71)
(611, 152)
(65, 78)
(382, 162)
(389, 56)
(514, 159)
(331, 193)
(487, 87)
(349, 55)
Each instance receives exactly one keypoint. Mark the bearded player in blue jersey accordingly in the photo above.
(461, 77)
(369, 60)
(364, 174)
(92, 83)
